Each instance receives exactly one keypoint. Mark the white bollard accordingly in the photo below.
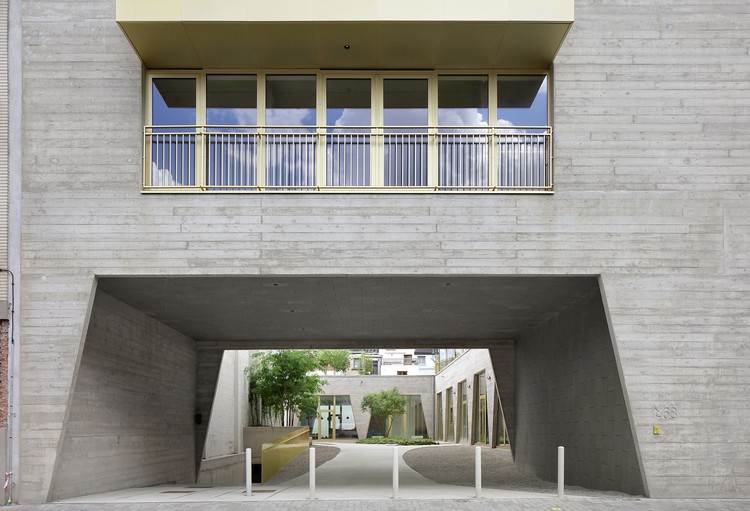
(249, 472)
(560, 471)
(478, 470)
(312, 473)
(395, 472)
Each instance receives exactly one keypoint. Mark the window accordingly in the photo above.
(463, 412)
(174, 116)
(231, 114)
(449, 416)
(349, 116)
(481, 420)
(401, 373)
(439, 415)
(326, 131)
(291, 149)
(422, 360)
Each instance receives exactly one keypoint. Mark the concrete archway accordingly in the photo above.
(153, 347)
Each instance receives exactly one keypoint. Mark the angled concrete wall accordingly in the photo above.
(568, 392)
(652, 184)
(131, 417)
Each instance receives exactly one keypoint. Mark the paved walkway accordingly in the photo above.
(367, 486)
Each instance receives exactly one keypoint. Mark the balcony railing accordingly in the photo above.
(356, 159)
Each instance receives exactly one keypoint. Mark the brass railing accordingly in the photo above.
(351, 159)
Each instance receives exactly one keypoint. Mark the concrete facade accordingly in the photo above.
(464, 368)
(651, 122)
(568, 393)
(356, 387)
(229, 410)
(131, 417)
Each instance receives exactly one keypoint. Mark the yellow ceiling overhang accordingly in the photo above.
(380, 34)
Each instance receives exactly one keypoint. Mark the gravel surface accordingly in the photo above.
(454, 464)
(301, 464)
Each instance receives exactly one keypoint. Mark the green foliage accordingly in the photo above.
(365, 364)
(285, 383)
(397, 441)
(385, 405)
(337, 359)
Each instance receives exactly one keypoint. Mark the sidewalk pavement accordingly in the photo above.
(359, 479)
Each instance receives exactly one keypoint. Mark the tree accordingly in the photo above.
(285, 383)
(385, 405)
(365, 364)
(337, 359)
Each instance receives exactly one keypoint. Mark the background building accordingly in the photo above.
(600, 254)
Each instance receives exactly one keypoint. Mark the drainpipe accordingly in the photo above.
(11, 389)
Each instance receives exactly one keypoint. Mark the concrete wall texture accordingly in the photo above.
(229, 410)
(357, 387)
(651, 122)
(568, 393)
(131, 416)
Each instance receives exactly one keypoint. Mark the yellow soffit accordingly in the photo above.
(339, 34)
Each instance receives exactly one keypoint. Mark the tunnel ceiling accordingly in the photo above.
(352, 311)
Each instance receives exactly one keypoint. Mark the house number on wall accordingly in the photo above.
(666, 412)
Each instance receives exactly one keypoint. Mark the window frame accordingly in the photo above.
(377, 78)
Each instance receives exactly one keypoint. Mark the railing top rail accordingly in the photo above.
(268, 126)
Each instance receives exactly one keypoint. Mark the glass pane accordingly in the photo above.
(449, 415)
(522, 145)
(463, 150)
(439, 416)
(290, 152)
(173, 101)
(348, 102)
(290, 100)
(463, 100)
(522, 100)
(232, 100)
(345, 418)
(405, 149)
(405, 102)
(463, 407)
(348, 150)
(173, 148)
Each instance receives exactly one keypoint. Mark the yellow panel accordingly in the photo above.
(285, 45)
(541, 10)
(221, 10)
(223, 45)
(148, 10)
(162, 45)
(345, 10)
(282, 450)
(361, 37)
(217, 34)
(408, 45)
(530, 45)
(474, 10)
(470, 45)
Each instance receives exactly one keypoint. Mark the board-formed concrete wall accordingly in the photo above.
(131, 416)
(229, 411)
(652, 184)
(568, 393)
(357, 387)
